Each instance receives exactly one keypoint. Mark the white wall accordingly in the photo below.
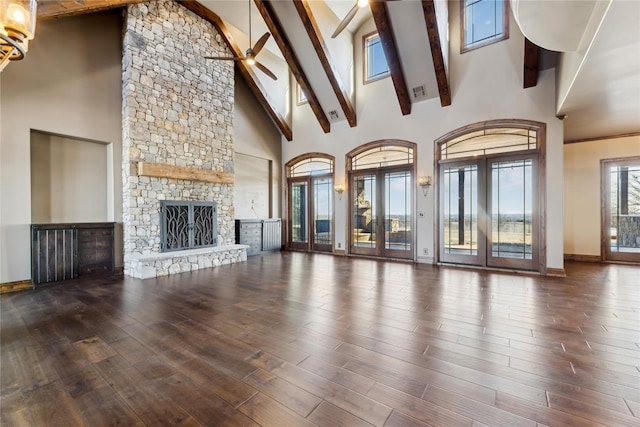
(255, 136)
(68, 179)
(486, 84)
(582, 187)
(69, 84)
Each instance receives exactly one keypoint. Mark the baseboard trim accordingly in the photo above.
(582, 258)
(340, 252)
(20, 285)
(556, 272)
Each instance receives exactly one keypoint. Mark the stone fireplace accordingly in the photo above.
(177, 115)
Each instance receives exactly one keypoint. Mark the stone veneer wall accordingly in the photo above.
(177, 109)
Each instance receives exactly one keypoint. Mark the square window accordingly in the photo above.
(483, 22)
(375, 62)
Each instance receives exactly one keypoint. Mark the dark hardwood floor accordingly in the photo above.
(296, 339)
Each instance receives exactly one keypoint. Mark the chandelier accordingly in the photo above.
(17, 26)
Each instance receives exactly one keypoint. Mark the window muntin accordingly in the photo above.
(375, 62)
(483, 22)
(311, 166)
(381, 196)
(382, 156)
(489, 141)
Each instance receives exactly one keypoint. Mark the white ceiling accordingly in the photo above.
(604, 98)
(601, 98)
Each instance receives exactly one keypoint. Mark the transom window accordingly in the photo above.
(375, 62)
(491, 195)
(381, 199)
(382, 156)
(310, 166)
(483, 22)
(310, 202)
(489, 141)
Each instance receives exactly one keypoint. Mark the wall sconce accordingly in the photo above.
(339, 189)
(425, 183)
(17, 27)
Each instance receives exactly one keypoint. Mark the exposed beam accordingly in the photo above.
(245, 70)
(61, 8)
(430, 19)
(279, 35)
(385, 31)
(531, 63)
(309, 22)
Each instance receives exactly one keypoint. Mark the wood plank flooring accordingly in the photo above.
(297, 339)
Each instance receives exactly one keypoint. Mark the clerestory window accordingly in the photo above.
(483, 22)
(375, 62)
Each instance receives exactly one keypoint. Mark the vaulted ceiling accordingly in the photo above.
(598, 69)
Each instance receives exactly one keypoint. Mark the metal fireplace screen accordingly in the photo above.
(187, 225)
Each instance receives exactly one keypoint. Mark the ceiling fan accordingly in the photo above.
(352, 13)
(251, 53)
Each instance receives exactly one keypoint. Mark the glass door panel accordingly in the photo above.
(512, 226)
(622, 211)
(299, 205)
(322, 214)
(460, 237)
(398, 206)
(364, 209)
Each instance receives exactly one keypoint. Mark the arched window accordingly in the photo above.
(310, 202)
(381, 193)
(491, 195)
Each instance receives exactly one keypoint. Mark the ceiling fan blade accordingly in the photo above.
(346, 20)
(260, 43)
(224, 58)
(266, 70)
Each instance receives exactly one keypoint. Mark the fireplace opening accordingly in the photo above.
(187, 225)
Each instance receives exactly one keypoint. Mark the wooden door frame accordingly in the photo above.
(309, 247)
(349, 173)
(535, 221)
(290, 244)
(541, 147)
(480, 163)
(605, 210)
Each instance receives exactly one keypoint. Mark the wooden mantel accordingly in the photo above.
(161, 170)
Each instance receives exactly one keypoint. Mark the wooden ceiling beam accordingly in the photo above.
(62, 8)
(245, 70)
(385, 31)
(531, 63)
(313, 31)
(277, 31)
(429, 10)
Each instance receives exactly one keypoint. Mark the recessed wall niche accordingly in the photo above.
(69, 179)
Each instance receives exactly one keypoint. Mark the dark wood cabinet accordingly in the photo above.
(66, 251)
(260, 235)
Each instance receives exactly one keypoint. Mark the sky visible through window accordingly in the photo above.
(483, 21)
(376, 61)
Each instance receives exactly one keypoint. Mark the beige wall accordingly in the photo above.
(255, 137)
(582, 189)
(486, 84)
(80, 96)
(73, 91)
(68, 179)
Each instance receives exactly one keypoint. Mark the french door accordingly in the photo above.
(489, 212)
(311, 213)
(621, 210)
(381, 206)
